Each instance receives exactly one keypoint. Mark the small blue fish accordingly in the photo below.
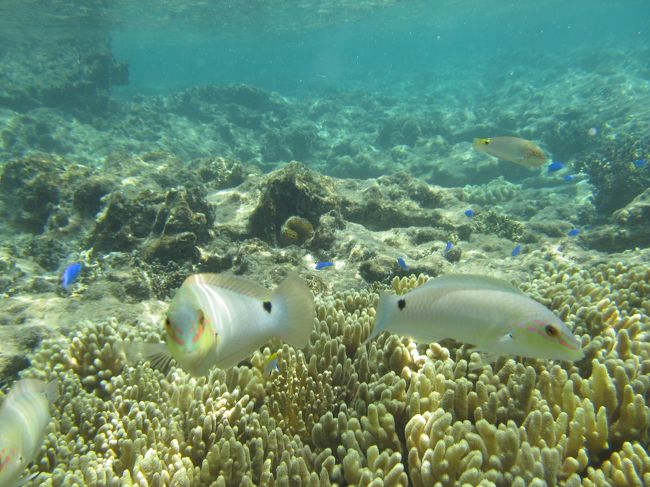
(573, 232)
(639, 163)
(402, 263)
(568, 177)
(515, 252)
(322, 265)
(555, 166)
(70, 275)
(469, 213)
(449, 247)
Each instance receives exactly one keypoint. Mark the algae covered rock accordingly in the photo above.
(630, 228)
(126, 220)
(30, 189)
(291, 191)
(164, 226)
(396, 201)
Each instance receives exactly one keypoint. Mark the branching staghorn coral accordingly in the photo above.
(390, 412)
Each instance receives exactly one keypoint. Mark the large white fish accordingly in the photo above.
(215, 320)
(483, 311)
(24, 416)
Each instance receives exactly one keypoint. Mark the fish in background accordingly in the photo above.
(24, 416)
(402, 263)
(513, 149)
(486, 312)
(516, 251)
(322, 265)
(217, 320)
(555, 166)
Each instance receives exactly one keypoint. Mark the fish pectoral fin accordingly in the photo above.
(486, 358)
(27, 478)
(156, 353)
(497, 349)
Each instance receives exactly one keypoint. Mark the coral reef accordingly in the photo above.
(497, 224)
(612, 167)
(497, 191)
(388, 413)
(76, 75)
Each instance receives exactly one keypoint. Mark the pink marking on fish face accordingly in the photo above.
(6, 455)
(548, 331)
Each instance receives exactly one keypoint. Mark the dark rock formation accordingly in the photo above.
(291, 191)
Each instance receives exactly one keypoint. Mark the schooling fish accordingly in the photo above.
(216, 320)
(489, 313)
(24, 416)
(513, 149)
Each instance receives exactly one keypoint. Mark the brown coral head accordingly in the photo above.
(296, 231)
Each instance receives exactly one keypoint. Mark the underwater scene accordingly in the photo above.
(324, 243)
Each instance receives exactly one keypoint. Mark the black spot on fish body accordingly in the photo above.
(401, 304)
(267, 306)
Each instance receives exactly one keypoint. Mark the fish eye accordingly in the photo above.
(168, 323)
(551, 331)
(201, 317)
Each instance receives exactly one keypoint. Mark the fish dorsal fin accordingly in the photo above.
(232, 283)
(470, 281)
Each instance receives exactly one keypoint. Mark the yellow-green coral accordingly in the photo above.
(392, 412)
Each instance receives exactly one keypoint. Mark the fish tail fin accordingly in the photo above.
(51, 390)
(294, 318)
(479, 144)
(156, 353)
(383, 315)
(31, 386)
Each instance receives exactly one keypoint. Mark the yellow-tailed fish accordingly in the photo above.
(486, 312)
(513, 149)
(215, 320)
(271, 365)
(24, 416)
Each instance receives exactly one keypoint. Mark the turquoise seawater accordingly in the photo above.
(293, 48)
(352, 150)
